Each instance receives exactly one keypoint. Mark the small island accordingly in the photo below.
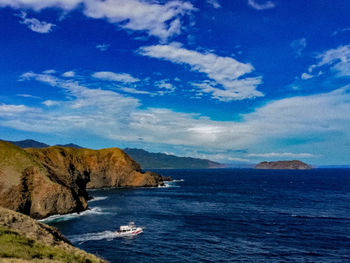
(284, 165)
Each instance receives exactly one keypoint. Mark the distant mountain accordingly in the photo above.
(149, 160)
(29, 144)
(70, 145)
(35, 144)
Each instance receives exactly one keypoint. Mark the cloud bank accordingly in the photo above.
(111, 115)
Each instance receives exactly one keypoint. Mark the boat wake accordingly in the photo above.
(108, 235)
(61, 218)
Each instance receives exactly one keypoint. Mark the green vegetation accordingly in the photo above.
(14, 245)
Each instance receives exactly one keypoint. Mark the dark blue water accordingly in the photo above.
(224, 215)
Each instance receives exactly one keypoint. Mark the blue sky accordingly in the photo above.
(232, 81)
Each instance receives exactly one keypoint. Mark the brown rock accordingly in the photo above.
(53, 180)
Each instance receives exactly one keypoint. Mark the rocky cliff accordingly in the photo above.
(53, 180)
(287, 165)
(23, 239)
(105, 168)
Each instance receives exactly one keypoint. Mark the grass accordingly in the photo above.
(14, 245)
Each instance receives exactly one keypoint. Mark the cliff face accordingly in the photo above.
(284, 165)
(53, 180)
(23, 238)
(104, 168)
(28, 187)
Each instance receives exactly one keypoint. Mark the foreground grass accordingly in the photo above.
(14, 245)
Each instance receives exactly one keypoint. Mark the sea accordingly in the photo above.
(221, 215)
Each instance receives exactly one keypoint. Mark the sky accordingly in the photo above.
(234, 81)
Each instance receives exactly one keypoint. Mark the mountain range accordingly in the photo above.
(149, 160)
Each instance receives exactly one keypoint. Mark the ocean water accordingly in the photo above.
(221, 215)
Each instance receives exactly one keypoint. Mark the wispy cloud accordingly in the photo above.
(298, 45)
(135, 91)
(103, 47)
(225, 71)
(50, 103)
(261, 6)
(119, 77)
(337, 59)
(34, 24)
(68, 74)
(340, 31)
(214, 3)
(156, 19)
(28, 96)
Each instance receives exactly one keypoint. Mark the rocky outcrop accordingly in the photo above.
(53, 180)
(27, 186)
(26, 236)
(105, 168)
(284, 165)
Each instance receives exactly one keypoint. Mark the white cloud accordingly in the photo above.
(306, 76)
(50, 103)
(214, 3)
(7, 110)
(261, 6)
(298, 45)
(341, 31)
(135, 91)
(226, 71)
(282, 155)
(111, 76)
(159, 20)
(28, 96)
(68, 74)
(35, 25)
(337, 59)
(38, 5)
(103, 47)
(165, 87)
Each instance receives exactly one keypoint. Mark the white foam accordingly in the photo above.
(60, 218)
(98, 198)
(178, 180)
(169, 184)
(109, 235)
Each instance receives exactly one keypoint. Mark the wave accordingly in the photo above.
(98, 198)
(177, 180)
(66, 217)
(169, 184)
(109, 235)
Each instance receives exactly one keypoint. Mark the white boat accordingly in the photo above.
(129, 230)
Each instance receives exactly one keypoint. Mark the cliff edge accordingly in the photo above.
(53, 180)
(23, 239)
(284, 165)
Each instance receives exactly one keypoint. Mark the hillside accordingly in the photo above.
(35, 144)
(23, 239)
(46, 181)
(150, 160)
(284, 165)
